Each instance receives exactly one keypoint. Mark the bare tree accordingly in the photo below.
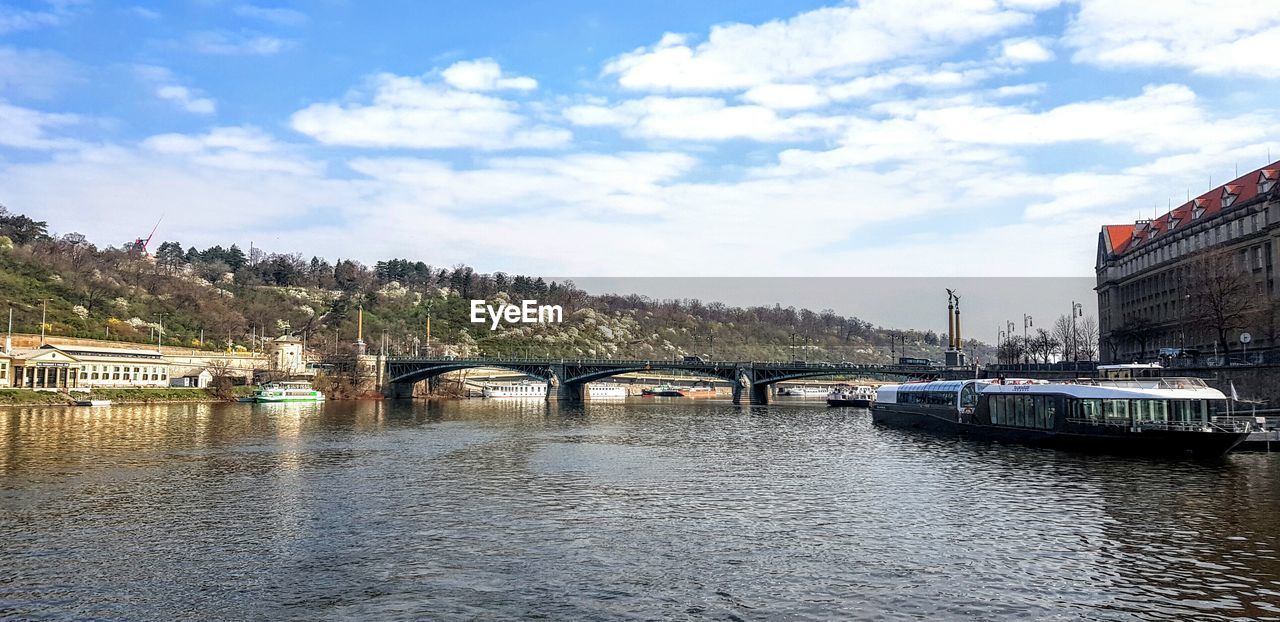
(1087, 336)
(1065, 333)
(1043, 346)
(1222, 296)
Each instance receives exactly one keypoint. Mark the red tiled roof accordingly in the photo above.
(1120, 236)
(1244, 187)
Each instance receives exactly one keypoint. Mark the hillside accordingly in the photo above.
(224, 298)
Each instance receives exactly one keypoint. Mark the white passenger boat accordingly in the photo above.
(806, 391)
(280, 392)
(93, 402)
(860, 396)
(606, 391)
(523, 389)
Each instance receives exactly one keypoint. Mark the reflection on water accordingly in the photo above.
(637, 509)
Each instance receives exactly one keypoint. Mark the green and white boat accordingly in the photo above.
(287, 392)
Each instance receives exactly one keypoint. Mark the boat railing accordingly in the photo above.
(1146, 383)
(1218, 424)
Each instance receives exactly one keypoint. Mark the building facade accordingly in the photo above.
(1145, 270)
(70, 367)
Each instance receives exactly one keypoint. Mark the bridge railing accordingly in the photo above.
(796, 365)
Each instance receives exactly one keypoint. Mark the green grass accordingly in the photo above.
(26, 396)
(122, 396)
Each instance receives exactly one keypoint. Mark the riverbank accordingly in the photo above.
(20, 397)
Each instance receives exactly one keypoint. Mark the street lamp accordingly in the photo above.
(1077, 309)
(1026, 323)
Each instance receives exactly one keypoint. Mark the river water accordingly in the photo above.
(648, 509)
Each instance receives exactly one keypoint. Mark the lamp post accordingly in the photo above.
(1000, 338)
(1077, 309)
(1026, 323)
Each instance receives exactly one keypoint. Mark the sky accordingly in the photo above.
(966, 138)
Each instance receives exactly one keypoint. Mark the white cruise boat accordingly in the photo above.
(805, 391)
(606, 391)
(523, 389)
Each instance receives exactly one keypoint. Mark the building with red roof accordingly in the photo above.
(1195, 278)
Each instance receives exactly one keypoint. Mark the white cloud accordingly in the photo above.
(165, 86)
(186, 99)
(233, 148)
(841, 40)
(1020, 51)
(700, 118)
(284, 17)
(55, 13)
(1215, 37)
(222, 43)
(786, 96)
(24, 128)
(414, 113)
(484, 75)
(34, 73)
(1143, 122)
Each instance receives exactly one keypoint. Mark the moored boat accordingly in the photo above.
(281, 392)
(804, 392)
(606, 391)
(523, 389)
(93, 402)
(663, 390)
(1138, 415)
(859, 396)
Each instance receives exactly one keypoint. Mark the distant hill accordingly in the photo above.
(231, 297)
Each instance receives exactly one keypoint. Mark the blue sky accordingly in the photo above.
(903, 137)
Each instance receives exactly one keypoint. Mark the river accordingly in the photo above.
(649, 509)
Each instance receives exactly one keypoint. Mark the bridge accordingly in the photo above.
(566, 380)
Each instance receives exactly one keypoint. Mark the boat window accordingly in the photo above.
(1115, 409)
(968, 396)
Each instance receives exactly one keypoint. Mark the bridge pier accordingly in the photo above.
(399, 390)
(747, 390)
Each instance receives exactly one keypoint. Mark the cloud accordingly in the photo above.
(700, 118)
(234, 148)
(416, 113)
(35, 73)
(787, 96)
(165, 86)
(844, 40)
(186, 99)
(283, 17)
(223, 43)
(1213, 37)
(24, 128)
(15, 20)
(484, 75)
(1020, 51)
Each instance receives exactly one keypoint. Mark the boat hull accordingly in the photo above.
(283, 400)
(1150, 442)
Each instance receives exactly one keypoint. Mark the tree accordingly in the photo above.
(1087, 334)
(1065, 333)
(21, 229)
(1139, 331)
(170, 256)
(1043, 345)
(1222, 296)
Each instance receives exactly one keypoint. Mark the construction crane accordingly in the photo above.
(140, 245)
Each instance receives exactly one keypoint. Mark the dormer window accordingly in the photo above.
(1173, 223)
(1198, 207)
(1230, 194)
(1267, 180)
